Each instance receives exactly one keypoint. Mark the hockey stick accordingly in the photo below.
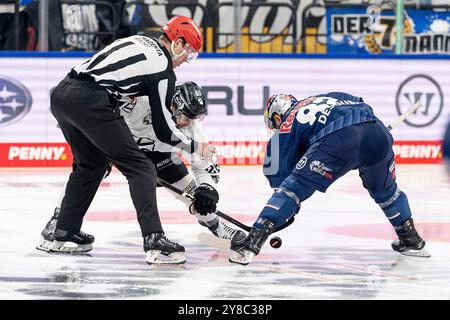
(209, 240)
(219, 213)
(190, 197)
(404, 115)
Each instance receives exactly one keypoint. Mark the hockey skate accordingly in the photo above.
(409, 243)
(223, 231)
(161, 250)
(242, 251)
(47, 233)
(221, 234)
(47, 239)
(66, 242)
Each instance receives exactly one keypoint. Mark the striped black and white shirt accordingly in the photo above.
(140, 66)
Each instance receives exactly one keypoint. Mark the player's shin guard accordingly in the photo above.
(283, 205)
(396, 209)
(242, 251)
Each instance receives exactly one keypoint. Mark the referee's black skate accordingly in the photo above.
(67, 242)
(409, 243)
(161, 250)
(47, 237)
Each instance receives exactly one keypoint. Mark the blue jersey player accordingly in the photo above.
(317, 140)
(446, 149)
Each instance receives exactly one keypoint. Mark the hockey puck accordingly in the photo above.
(275, 242)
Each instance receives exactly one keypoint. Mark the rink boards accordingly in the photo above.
(236, 90)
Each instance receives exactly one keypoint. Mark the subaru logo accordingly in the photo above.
(423, 88)
(15, 101)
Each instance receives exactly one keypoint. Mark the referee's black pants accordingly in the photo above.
(96, 132)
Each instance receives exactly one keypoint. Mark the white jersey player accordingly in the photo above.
(188, 109)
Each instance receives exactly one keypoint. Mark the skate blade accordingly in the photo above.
(44, 245)
(155, 257)
(210, 240)
(243, 258)
(417, 253)
(73, 248)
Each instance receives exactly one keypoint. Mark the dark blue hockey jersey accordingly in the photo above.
(310, 120)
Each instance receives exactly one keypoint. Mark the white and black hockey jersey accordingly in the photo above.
(140, 121)
(139, 66)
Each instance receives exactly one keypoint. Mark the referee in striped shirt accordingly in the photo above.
(85, 105)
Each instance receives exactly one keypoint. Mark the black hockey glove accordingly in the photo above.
(206, 198)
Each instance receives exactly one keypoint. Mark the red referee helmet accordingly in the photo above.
(184, 27)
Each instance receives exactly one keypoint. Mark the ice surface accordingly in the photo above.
(338, 247)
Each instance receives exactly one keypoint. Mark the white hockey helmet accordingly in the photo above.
(278, 104)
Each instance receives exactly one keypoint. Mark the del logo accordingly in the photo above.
(15, 101)
(286, 126)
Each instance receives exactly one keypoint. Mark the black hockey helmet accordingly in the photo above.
(189, 100)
